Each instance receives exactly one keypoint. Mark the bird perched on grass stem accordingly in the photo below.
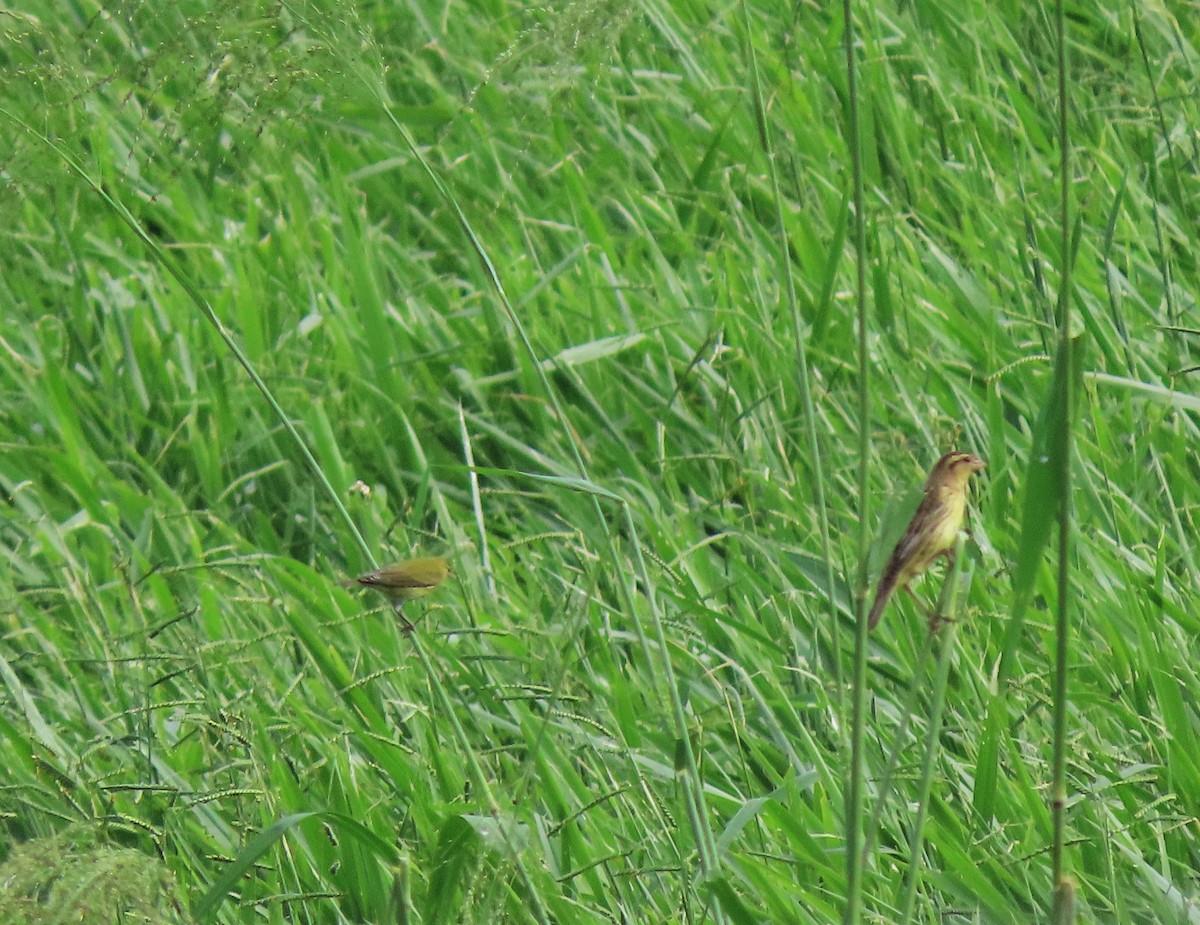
(932, 530)
(406, 581)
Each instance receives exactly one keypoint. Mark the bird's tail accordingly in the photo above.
(886, 586)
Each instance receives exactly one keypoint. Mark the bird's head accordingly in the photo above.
(953, 470)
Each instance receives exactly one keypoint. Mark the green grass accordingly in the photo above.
(182, 676)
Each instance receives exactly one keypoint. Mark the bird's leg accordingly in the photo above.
(929, 613)
(935, 619)
(405, 626)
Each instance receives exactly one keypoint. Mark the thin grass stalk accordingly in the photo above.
(955, 581)
(801, 338)
(883, 789)
(401, 899)
(1061, 621)
(485, 557)
(706, 842)
(854, 794)
(1165, 134)
(1064, 901)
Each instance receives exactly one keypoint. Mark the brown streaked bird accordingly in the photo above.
(933, 529)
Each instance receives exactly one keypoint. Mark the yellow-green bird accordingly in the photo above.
(407, 580)
(932, 530)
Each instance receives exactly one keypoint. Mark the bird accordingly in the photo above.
(933, 529)
(406, 581)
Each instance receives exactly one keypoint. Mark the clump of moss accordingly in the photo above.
(74, 877)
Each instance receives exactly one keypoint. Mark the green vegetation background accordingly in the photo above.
(179, 669)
